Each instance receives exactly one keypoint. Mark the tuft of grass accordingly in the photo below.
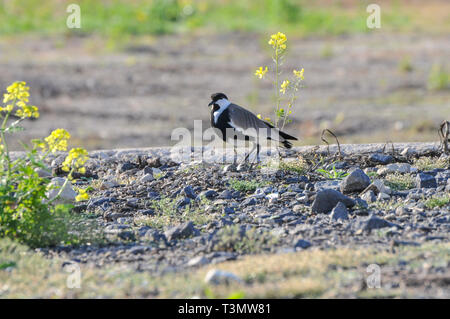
(399, 182)
(313, 273)
(332, 173)
(299, 166)
(245, 185)
(167, 213)
(235, 239)
(430, 163)
(437, 202)
(405, 65)
(439, 78)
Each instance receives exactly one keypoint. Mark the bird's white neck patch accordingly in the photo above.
(223, 104)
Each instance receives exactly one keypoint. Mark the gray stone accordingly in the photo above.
(209, 194)
(327, 199)
(425, 181)
(303, 244)
(339, 212)
(189, 192)
(374, 222)
(369, 196)
(67, 194)
(395, 168)
(217, 277)
(198, 261)
(180, 231)
(147, 178)
(381, 158)
(330, 184)
(356, 181)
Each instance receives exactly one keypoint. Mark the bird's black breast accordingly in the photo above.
(222, 122)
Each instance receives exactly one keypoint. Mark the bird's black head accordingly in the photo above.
(217, 96)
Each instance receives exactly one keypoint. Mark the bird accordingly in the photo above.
(236, 123)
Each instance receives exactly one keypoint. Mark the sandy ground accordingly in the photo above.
(136, 95)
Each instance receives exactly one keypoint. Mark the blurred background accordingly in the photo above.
(135, 70)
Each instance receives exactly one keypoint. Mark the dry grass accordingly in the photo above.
(312, 273)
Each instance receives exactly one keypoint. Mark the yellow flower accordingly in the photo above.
(284, 86)
(57, 140)
(18, 94)
(261, 72)
(259, 116)
(82, 195)
(76, 159)
(299, 74)
(278, 41)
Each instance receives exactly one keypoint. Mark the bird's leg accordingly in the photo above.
(251, 151)
(235, 153)
(258, 148)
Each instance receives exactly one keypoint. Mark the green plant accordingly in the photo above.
(333, 173)
(26, 212)
(288, 86)
(299, 166)
(405, 65)
(235, 238)
(398, 181)
(437, 201)
(439, 78)
(245, 185)
(429, 163)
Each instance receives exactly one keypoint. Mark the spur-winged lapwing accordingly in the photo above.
(237, 123)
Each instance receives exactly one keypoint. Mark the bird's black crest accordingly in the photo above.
(217, 96)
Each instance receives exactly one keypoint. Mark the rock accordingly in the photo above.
(189, 192)
(425, 181)
(209, 194)
(154, 162)
(378, 186)
(153, 195)
(339, 212)
(109, 183)
(381, 158)
(43, 172)
(156, 171)
(327, 199)
(147, 178)
(153, 235)
(395, 168)
(198, 261)
(331, 184)
(67, 195)
(180, 231)
(383, 196)
(217, 277)
(226, 194)
(303, 244)
(249, 201)
(125, 167)
(369, 196)
(374, 222)
(356, 181)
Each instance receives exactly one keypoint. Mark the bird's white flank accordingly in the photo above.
(223, 104)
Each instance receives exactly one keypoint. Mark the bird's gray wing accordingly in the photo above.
(248, 123)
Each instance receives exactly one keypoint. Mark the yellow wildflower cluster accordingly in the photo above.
(75, 160)
(278, 41)
(56, 141)
(18, 94)
(261, 72)
(82, 195)
(299, 74)
(284, 86)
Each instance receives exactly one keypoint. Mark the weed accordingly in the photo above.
(245, 185)
(399, 182)
(437, 202)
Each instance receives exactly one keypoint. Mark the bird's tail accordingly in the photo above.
(287, 144)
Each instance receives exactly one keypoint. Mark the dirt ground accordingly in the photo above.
(136, 94)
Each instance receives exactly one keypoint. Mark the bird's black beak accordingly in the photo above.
(211, 103)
